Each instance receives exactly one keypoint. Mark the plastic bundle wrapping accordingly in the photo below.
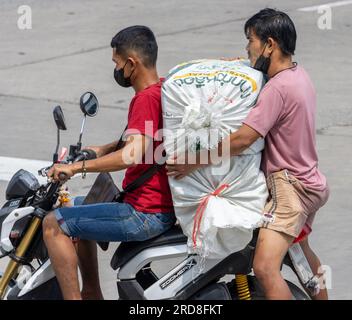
(217, 206)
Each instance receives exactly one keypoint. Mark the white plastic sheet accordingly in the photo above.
(203, 102)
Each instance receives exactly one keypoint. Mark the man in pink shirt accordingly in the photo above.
(285, 116)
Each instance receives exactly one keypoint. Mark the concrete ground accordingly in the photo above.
(67, 52)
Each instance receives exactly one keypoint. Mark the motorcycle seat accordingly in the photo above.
(127, 250)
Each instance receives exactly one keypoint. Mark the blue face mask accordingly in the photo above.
(120, 78)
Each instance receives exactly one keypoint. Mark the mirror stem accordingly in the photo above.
(55, 157)
(79, 144)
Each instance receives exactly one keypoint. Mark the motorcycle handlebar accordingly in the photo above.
(62, 176)
(86, 154)
(91, 154)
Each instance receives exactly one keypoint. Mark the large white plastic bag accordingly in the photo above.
(199, 98)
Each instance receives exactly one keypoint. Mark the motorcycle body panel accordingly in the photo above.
(8, 225)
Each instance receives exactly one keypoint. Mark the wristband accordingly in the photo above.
(84, 170)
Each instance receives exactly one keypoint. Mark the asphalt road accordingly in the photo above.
(67, 52)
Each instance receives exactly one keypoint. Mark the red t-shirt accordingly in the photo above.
(145, 117)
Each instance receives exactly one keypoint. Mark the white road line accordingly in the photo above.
(330, 4)
(9, 166)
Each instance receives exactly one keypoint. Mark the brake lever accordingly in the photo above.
(43, 171)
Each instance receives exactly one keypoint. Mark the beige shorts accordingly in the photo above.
(291, 205)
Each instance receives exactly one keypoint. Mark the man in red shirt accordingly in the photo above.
(148, 210)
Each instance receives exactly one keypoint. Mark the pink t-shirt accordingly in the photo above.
(285, 115)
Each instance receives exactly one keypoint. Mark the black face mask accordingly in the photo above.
(262, 64)
(120, 78)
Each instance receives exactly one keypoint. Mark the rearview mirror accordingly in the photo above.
(59, 118)
(60, 124)
(89, 104)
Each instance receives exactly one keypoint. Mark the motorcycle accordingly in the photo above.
(192, 278)
(21, 237)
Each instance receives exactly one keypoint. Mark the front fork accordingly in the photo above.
(21, 250)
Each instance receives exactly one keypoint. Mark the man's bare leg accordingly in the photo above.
(271, 248)
(63, 257)
(88, 264)
(315, 265)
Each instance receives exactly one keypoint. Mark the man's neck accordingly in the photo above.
(147, 78)
(279, 65)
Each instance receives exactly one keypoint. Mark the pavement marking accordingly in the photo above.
(9, 166)
(330, 4)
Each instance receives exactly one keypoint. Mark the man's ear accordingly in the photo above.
(131, 63)
(271, 45)
(134, 61)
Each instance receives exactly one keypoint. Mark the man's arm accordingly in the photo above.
(103, 150)
(240, 140)
(237, 142)
(130, 155)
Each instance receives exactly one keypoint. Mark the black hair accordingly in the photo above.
(275, 24)
(137, 38)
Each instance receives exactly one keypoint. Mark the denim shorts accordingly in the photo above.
(111, 222)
